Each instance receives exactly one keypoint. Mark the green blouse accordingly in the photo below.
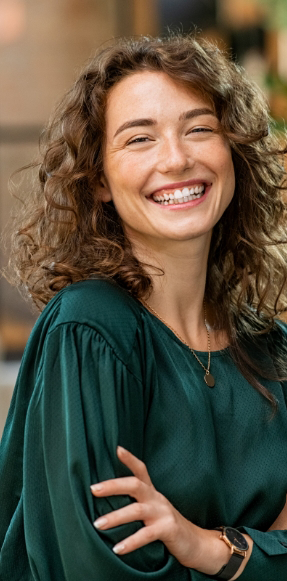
(100, 370)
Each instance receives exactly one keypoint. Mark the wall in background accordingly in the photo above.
(44, 44)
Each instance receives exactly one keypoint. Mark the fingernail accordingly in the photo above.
(100, 522)
(118, 548)
(96, 487)
(121, 449)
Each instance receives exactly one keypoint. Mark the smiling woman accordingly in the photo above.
(150, 407)
(175, 146)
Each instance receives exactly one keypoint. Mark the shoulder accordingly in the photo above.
(97, 302)
(104, 307)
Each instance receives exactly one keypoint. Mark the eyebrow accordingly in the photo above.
(149, 122)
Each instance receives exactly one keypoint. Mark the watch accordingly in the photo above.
(239, 547)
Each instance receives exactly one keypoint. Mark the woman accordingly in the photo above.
(156, 372)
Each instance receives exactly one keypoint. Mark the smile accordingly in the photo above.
(179, 196)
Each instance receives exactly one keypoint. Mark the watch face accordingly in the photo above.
(236, 538)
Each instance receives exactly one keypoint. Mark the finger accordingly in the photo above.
(141, 538)
(132, 512)
(136, 465)
(130, 485)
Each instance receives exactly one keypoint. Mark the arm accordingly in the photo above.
(193, 546)
(86, 401)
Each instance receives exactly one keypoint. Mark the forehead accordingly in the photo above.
(150, 93)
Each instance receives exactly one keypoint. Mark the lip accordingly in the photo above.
(183, 205)
(181, 185)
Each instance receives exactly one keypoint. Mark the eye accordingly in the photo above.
(138, 140)
(201, 129)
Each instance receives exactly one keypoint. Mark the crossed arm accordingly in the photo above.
(193, 547)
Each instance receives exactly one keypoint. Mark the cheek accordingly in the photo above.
(228, 188)
(225, 168)
(123, 187)
(230, 175)
(125, 174)
(222, 165)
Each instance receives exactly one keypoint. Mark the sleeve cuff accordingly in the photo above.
(271, 542)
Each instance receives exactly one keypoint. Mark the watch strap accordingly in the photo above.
(231, 568)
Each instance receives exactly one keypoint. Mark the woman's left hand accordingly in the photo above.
(162, 521)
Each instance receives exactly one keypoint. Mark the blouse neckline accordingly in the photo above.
(167, 330)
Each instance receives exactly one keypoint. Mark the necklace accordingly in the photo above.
(208, 377)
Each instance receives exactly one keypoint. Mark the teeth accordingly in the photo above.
(180, 196)
(177, 194)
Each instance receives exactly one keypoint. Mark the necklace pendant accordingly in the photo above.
(209, 380)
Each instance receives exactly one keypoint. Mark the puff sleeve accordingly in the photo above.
(85, 402)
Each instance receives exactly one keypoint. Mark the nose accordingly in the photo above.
(173, 156)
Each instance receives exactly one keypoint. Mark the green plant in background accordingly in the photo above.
(276, 20)
(276, 13)
(276, 84)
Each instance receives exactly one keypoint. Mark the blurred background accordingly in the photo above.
(44, 44)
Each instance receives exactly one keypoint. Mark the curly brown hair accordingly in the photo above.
(67, 234)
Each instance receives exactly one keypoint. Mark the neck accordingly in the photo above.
(178, 294)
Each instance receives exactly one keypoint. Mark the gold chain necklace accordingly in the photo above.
(208, 377)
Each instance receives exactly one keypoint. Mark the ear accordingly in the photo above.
(103, 189)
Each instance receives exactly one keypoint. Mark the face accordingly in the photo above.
(167, 170)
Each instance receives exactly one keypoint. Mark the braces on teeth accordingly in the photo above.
(180, 196)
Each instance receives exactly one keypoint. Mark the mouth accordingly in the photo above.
(171, 197)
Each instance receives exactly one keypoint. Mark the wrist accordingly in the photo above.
(213, 553)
